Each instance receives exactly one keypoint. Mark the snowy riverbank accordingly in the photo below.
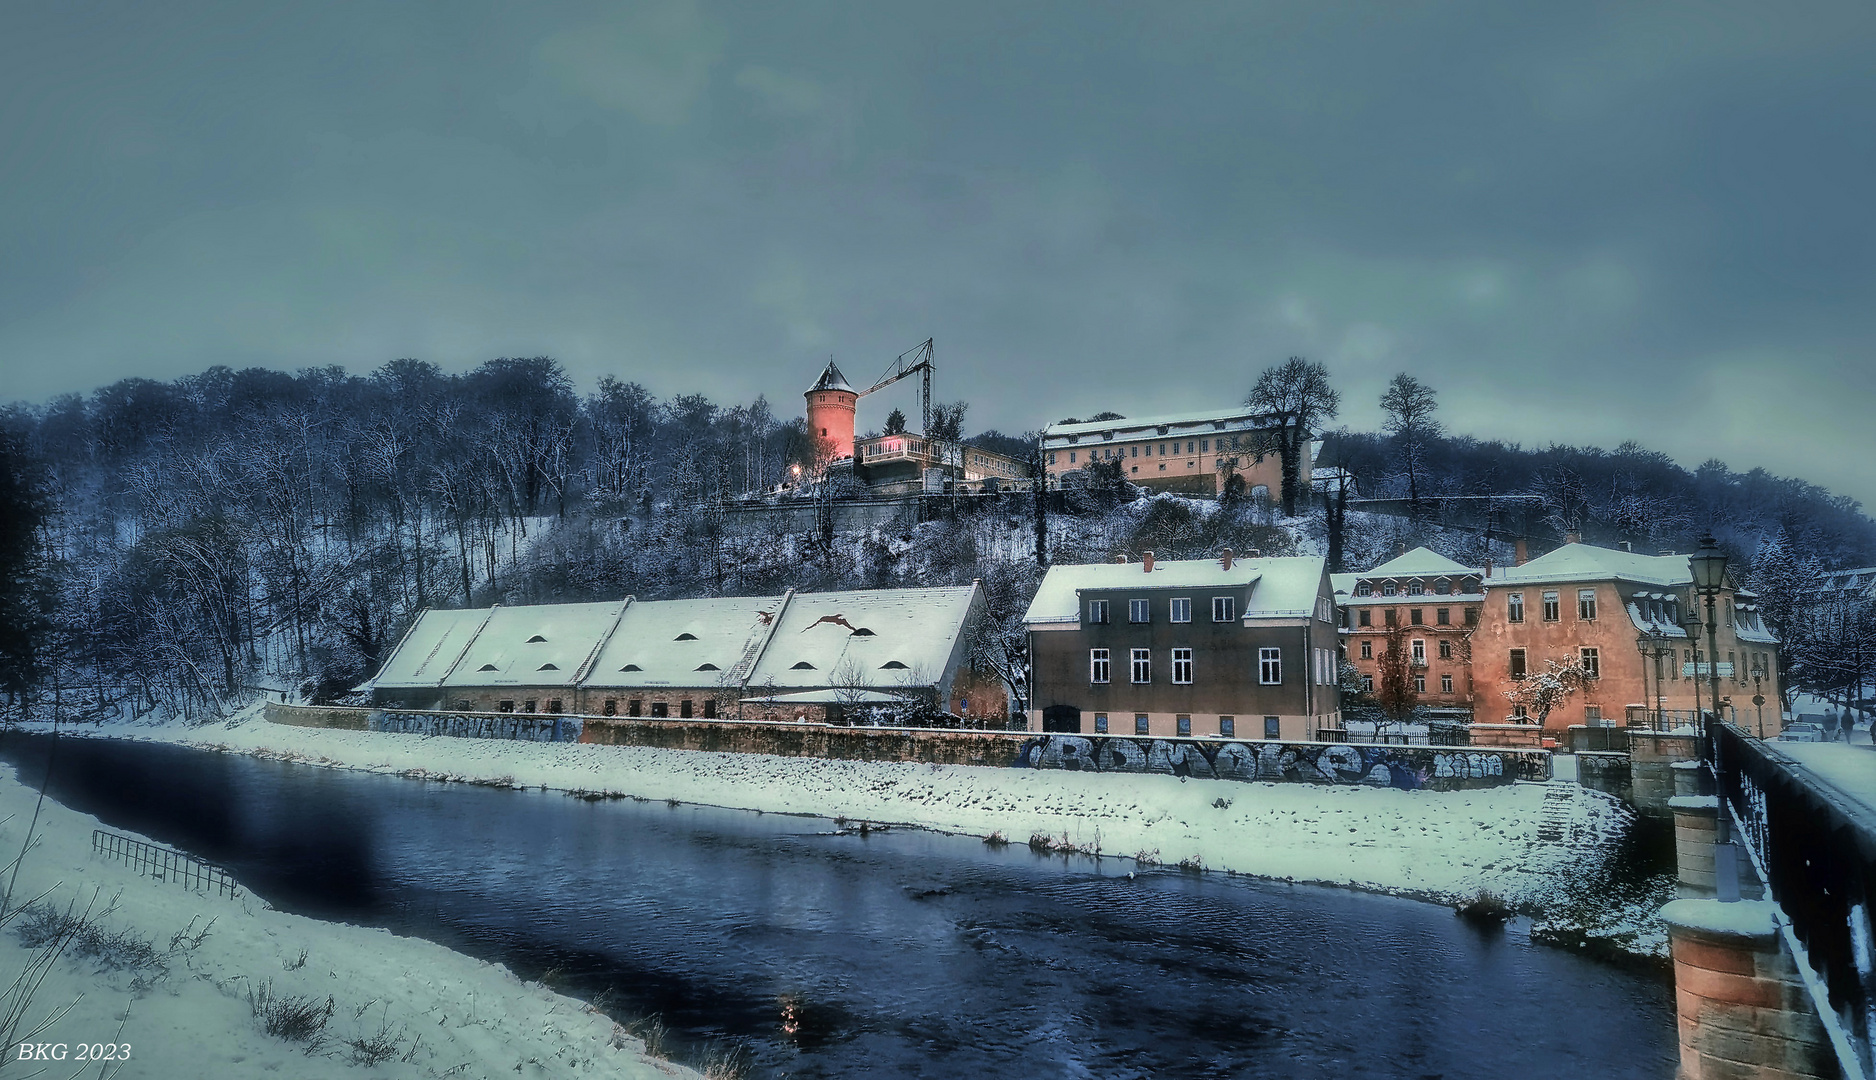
(177, 975)
(1532, 845)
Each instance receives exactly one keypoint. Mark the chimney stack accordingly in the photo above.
(1146, 560)
(1121, 558)
(1572, 537)
(1224, 558)
(1520, 552)
(1400, 548)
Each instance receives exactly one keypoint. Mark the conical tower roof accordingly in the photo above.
(832, 379)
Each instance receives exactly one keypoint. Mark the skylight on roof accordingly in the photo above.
(548, 667)
(893, 665)
(685, 636)
(536, 638)
(802, 666)
(488, 667)
(631, 667)
(708, 667)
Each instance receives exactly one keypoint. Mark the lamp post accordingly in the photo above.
(1709, 570)
(1758, 696)
(1692, 624)
(1645, 644)
(1655, 645)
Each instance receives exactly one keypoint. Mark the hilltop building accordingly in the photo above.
(1195, 453)
(902, 463)
(1239, 648)
(795, 656)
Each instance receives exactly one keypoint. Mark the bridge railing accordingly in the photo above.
(1816, 852)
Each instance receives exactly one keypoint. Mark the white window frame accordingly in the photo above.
(1446, 683)
(1514, 607)
(1182, 667)
(1270, 666)
(1100, 666)
(1586, 604)
(1553, 605)
(1224, 609)
(1140, 666)
(1420, 684)
(1097, 612)
(1591, 658)
(1420, 650)
(1139, 611)
(1182, 609)
(1367, 650)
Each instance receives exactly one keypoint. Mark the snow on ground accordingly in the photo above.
(1849, 767)
(183, 1003)
(1522, 842)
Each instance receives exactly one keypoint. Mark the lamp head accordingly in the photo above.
(1708, 565)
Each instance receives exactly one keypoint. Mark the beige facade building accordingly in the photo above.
(1196, 453)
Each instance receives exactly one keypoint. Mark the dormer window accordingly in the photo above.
(548, 667)
(536, 638)
(1387, 588)
(1363, 588)
(802, 665)
(488, 667)
(1414, 588)
(708, 667)
(892, 665)
(686, 636)
(631, 667)
(1443, 587)
(863, 632)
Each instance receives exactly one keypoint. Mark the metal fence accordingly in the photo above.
(1644, 719)
(1817, 854)
(163, 864)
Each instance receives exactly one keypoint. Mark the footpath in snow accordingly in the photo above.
(186, 979)
(1523, 842)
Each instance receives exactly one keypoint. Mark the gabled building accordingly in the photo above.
(1197, 453)
(794, 656)
(1594, 605)
(1240, 648)
(1427, 605)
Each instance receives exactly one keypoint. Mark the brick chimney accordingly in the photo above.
(1572, 537)
(1225, 557)
(1520, 552)
(1146, 561)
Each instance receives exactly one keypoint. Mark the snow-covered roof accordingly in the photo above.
(835, 696)
(1587, 562)
(882, 637)
(683, 642)
(1421, 562)
(879, 637)
(431, 648)
(536, 645)
(1189, 422)
(832, 379)
(1280, 586)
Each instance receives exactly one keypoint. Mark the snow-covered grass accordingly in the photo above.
(192, 982)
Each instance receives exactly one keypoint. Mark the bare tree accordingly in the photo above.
(1298, 396)
(1409, 405)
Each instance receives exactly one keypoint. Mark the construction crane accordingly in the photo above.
(920, 364)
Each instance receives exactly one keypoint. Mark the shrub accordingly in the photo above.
(293, 1018)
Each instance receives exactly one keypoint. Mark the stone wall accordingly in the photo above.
(1525, 736)
(318, 716)
(787, 739)
(1651, 759)
(1605, 771)
(1438, 768)
(520, 727)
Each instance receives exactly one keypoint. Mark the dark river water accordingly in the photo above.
(901, 953)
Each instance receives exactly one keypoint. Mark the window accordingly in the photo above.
(1514, 607)
(1139, 723)
(1442, 587)
(1553, 607)
(612, 707)
(1071, 457)
(1270, 666)
(1392, 616)
(1519, 712)
(1472, 616)
(528, 706)
(1051, 457)
(1592, 662)
(1364, 589)
(507, 706)
(710, 708)
(1446, 684)
(462, 705)
(1100, 723)
(1420, 650)
(1224, 608)
(553, 705)
(1182, 666)
(1367, 684)
(1142, 666)
(1097, 665)
(1184, 724)
(1205, 446)
(1446, 650)
(1136, 452)
(1443, 617)
(1416, 617)
(1420, 684)
(1228, 726)
(1586, 604)
(1414, 588)
(634, 707)
(1517, 663)
(1367, 650)
(1273, 728)
(1387, 588)
(1097, 611)
(684, 708)
(1138, 611)
(1592, 715)
(1182, 609)
(660, 710)
(1366, 617)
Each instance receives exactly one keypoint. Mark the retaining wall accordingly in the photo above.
(318, 716)
(1651, 764)
(1606, 771)
(1434, 767)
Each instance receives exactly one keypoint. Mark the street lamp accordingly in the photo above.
(1709, 570)
(1654, 645)
(1691, 621)
(1758, 697)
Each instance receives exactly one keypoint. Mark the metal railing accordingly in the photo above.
(1641, 718)
(164, 864)
(1816, 852)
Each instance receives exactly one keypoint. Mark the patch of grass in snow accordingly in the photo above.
(1147, 858)
(85, 937)
(295, 1018)
(1192, 864)
(1484, 908)
(1221, 803)
(996, 840)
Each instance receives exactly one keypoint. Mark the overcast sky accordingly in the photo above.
(1580, 223)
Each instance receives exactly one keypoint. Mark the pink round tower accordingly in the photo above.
(831, 404)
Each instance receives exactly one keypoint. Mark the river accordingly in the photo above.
(825, 953)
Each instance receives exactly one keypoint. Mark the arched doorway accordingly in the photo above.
(1063, 719)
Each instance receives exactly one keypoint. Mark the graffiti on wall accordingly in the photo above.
(1405, 767)
(518, 727)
